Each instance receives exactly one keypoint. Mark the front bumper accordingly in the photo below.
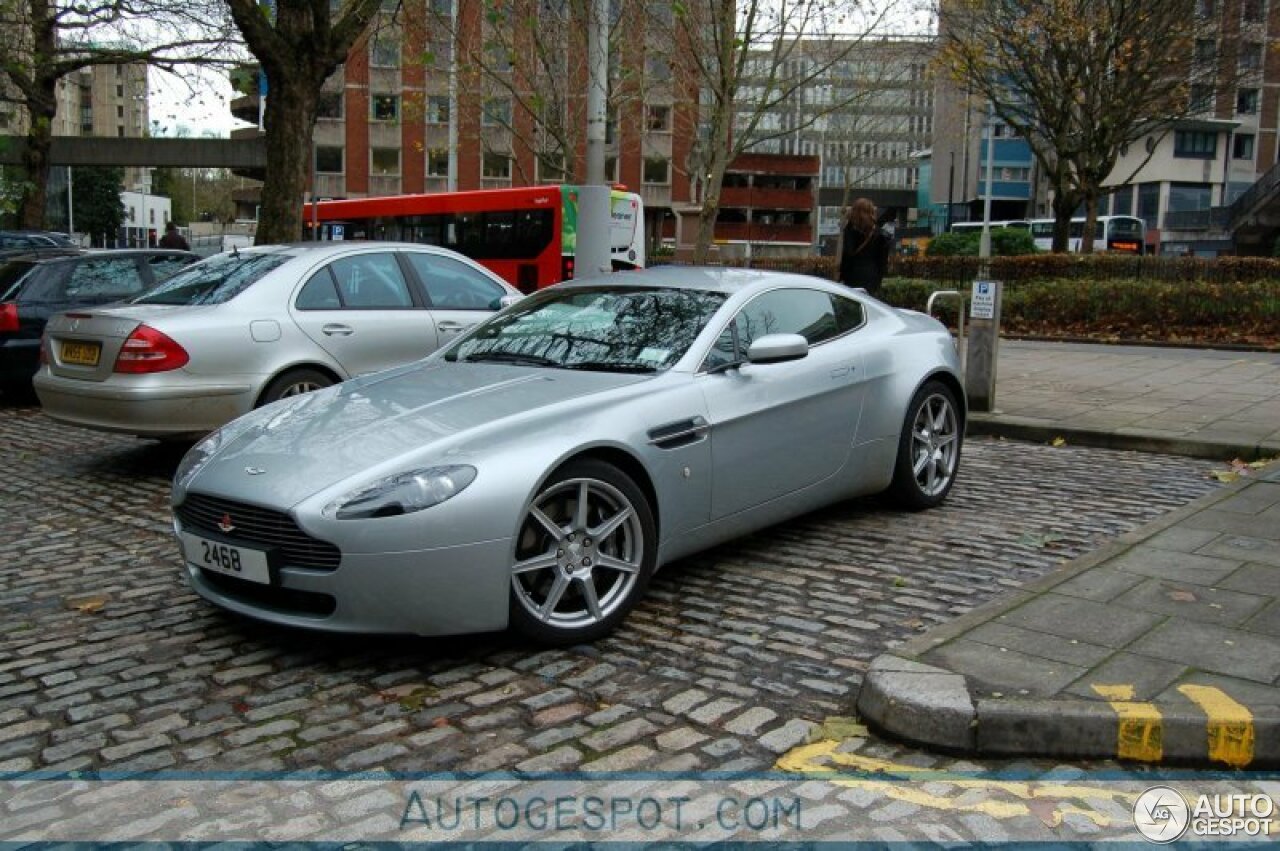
(149, 411)
(444, 591)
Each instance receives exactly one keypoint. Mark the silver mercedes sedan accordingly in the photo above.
(538, 470)
(251, 326)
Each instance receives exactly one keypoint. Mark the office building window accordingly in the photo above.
(437, 162)
(328, 159)
(657, 170)
(385, 107)
(119, 91)
(1247, 102)
(1201, 98)
(384, 162)
(1149, 202)
(1187, 197)
(385, 52)
(1205, 8)
(1195, 144)
(658, 118)
(1242, 147)
(437, 109)
(497, 112)
(1122, 202)
(1250, 56)
(329, 105)
(1251, 11)
(1206, 50)
(496, 165)
(551, 167)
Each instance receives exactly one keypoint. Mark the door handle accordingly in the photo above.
(452, 327)
(338, 330)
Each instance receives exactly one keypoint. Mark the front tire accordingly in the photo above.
(583, 556)
(929, 448)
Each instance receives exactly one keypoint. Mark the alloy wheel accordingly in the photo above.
(935, 444)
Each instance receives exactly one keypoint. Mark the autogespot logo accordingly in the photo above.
(1161, 814)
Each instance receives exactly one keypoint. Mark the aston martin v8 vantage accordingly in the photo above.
(538, 470)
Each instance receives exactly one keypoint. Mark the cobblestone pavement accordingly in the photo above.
(108, 661)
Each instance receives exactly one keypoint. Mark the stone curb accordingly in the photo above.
(934, 707)
(1016, 428)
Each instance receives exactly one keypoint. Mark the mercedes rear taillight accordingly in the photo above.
(149, 350)
(9, 316)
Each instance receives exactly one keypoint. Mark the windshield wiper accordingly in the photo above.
(510, 357)
(610, 366)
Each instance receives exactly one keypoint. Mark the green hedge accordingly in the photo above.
(1004, 242)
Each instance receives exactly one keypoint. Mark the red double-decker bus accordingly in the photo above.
(526, 235)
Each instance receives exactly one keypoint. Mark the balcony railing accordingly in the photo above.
(1212, 219)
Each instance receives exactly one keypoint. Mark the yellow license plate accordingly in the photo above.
(82, 354)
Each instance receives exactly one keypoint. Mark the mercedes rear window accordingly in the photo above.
(214, 281)
(12, 277)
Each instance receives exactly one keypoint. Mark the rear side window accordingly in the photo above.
(453, 285)
(104, 279)
(319, 293)
(216, 280)
(371, 282)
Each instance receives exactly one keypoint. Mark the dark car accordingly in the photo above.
(33, 288)
(34, 239)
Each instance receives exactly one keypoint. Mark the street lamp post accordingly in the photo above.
(951, 189)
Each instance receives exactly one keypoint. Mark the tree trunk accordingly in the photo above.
(1064, 206)
(1090, 222)
(35, 164)
(290, 119)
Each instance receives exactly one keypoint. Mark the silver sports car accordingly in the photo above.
(539, 469)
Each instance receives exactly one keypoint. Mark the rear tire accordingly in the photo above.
(929, 448)
(579, 569)
(295, 382)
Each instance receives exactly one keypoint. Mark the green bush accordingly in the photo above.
(1005, 242)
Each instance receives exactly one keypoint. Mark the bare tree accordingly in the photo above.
(299, 48)
(46, 40)
(778, 49)
(1079, 80)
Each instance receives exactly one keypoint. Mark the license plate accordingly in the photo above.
(83, 354)
(240, 562)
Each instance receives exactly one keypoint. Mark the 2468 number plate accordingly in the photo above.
(240, 562)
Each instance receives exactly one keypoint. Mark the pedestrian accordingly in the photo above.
(173, 239)
(864, 251)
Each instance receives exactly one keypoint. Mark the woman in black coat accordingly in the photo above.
(864, 252)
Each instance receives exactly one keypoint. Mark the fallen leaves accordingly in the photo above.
(1039, 541)
(1238, 469)
(1059, 441)
(87, 605)
(1179, 595)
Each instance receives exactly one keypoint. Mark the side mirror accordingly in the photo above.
(506, 301)
(776, 348)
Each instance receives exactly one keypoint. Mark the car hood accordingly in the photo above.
(284, 453)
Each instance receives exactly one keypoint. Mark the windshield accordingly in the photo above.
(614, 329)
(218, 279)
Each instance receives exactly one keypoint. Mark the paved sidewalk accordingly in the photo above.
(1204, 403)
(1163, 647)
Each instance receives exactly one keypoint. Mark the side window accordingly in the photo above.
(166, 265)
(371, 282)
(108, 279)
(319, 293)
(452, 285)
(814, 315)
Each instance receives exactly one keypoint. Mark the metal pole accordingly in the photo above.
(984, 245)
(951, 189)
(591, 253)
(453, 96)
(71, 219)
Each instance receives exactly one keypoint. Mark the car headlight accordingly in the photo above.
(404, 493)
(196, 457)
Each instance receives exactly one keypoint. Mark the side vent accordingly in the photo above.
(679, 433)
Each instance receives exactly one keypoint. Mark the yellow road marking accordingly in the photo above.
(822, 758)
(1230, 725)
(1139, 735)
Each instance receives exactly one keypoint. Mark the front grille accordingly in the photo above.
(258, 526)
(287, 600)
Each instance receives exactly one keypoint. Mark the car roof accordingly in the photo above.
(108, 253)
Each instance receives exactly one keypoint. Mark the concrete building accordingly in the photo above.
(865, 117)
(384, 125)
(1180, 178)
